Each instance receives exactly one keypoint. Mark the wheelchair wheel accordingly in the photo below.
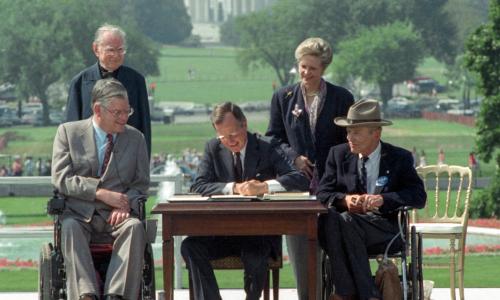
(148, 290)
(326, 277)
(45, 273)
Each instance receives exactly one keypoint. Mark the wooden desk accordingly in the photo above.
(238, 218)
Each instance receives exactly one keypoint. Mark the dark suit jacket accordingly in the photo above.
(79, 104)
(263, 161)
(75, 165)
(294, 133)
(403, 188)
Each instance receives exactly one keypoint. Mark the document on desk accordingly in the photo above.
(289, 196)
(187, 198)
(233, 198)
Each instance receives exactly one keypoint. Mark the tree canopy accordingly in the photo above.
(483, 57)
(265, 35)
(380, 54)
(164, 21)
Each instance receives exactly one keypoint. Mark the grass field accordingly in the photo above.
(456, 140)
(217, 77)
(481, 271)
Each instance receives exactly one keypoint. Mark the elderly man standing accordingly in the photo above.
(109, 47)
(365, 181)
(101, 166)
(237, 162)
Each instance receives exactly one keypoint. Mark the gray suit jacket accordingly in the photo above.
(75, 166)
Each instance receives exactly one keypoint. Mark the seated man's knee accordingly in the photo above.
(69, 226)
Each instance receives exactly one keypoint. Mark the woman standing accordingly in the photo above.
(302, 121)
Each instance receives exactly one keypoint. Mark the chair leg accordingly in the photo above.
(276, 283)
(191, 293)
(461, 267)
(266, 286)
(452, 269)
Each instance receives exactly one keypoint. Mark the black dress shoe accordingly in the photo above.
(88, 297)
(114, 297)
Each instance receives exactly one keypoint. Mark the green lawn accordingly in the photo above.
(456, 140)
(217, 77)
(481, 271)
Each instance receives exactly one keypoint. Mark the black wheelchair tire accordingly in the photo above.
(45, 272)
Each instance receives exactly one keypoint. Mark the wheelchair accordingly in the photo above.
(410, 271)
(52, 274)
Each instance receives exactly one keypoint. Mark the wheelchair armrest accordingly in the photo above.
(55, 205)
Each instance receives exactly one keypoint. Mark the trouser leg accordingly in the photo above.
(197, 253)
(80, 272)
(255, 252)
(124, 273)
(332, 243)
(359, 233)
(298, 253)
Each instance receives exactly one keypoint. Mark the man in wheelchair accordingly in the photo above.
(101, 167)
(364, 184)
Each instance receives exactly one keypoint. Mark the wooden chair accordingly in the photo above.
(235, 263)
(446, 213)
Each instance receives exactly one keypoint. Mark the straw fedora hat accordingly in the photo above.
(363, 113)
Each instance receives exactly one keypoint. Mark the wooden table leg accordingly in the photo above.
(168, 268)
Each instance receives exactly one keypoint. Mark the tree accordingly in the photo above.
(382, 55)
(270, 36)
(483, 57)
(44, 42)
(164, 21)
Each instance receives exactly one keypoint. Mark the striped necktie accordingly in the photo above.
(238, 168)
(107, 154)
(363, 177)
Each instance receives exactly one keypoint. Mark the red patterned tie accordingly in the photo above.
(107, 154)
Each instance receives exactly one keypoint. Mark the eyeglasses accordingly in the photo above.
(118, 113)
(114, 51)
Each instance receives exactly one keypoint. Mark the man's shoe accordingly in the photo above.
(114, 297)
(88, 297)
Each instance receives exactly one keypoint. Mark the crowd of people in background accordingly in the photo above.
(29, 166)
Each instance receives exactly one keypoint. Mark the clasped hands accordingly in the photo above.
(362, 204)
(118, 201)
(250, 188)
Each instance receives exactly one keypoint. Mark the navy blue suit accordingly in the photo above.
(264, 160)
(294, 133)
(79, 104)
(348, 237)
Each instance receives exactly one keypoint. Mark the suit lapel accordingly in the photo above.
(385, 163)
(251, 158)
(89, 145)
(303, 119)
(350, 170)
(226, 157)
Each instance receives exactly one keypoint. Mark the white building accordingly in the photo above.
(218, 11)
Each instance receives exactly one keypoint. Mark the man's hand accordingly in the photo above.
(117, 216)
(250, 188)
(304, 165)
(113, 199)
(354, 203)
(372, 202)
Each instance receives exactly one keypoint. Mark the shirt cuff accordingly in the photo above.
(228, 188)
(274, 186)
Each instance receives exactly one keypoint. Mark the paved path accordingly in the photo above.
(291, 294)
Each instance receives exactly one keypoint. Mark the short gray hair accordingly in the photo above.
(116, 30)
(315, 46)
(221, 110)
(107, 89)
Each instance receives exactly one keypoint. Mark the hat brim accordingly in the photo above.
(344, 122)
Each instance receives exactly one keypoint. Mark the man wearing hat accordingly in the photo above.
(365, 181)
